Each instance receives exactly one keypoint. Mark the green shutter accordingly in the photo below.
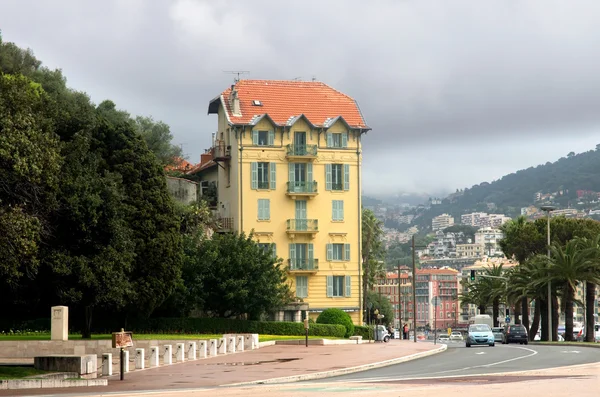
(292, 177)
(255, 138)
(346, 252)
(271, 138)
(261, 209)
(348, 289)
(292, 254)
(334, 209)
(329, 140)
(254, 175)
(327, 176)
(340, 210)
(267, 205)
(346, 176)
(309, 173)
(273, 176)
(344, 139)
(274, 248)
(329, 252)
(311, 252)
(329, 286)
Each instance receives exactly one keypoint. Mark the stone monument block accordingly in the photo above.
(59, 326)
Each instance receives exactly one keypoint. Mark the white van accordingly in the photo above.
(482, 319)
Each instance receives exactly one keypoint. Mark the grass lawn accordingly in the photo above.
(18, 372)
(46, 336)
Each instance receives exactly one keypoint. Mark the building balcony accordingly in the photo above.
(302, 189)
(302, 226)
(308, 266)
(301, 151)
(224, 225)
(221, 152)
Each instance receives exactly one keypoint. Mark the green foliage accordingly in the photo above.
(383, 305)
(366, 332)
(468, 231)
(158, 137)
(373, 251)
(337, 316)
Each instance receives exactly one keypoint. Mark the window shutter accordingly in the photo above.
(271, 138)
(261, 209)
(274, 248)
(329, 252)
(344, 139)
(346, 176)
(302, 286)
(273, 176)
(291, 177)
(255, 138)
(329, 139)
(346, 252)
(340, 210)
(327, 176)
(311, 252)
(292, 254)
(334, 210)
(254, 175)
(329, 286)
(348, 289)
(268, 210)
(309, 174)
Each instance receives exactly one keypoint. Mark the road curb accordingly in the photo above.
(342, 371)
(593, 345)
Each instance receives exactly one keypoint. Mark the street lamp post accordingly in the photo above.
(548, 209)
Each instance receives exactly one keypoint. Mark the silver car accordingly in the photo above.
(480, 334)
(498, 334)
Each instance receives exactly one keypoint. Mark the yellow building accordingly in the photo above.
(289, 155)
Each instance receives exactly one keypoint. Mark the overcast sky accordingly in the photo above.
(456, 92)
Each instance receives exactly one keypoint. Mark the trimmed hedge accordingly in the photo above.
(337, 316)
(364, 331)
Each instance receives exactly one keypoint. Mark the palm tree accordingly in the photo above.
(473, 294)
(593, 248)
(494, 289)
(521, 288)
(372, 250)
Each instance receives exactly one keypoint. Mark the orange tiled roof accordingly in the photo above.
(282, 100)
(206, 161)
(179, 165)
(437, 271)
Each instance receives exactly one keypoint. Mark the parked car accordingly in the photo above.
(480, 334)
(443, 338)
(456, 336)
(515, 333)
(498, 334)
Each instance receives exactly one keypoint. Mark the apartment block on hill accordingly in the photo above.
(441, 222)
(289, 170)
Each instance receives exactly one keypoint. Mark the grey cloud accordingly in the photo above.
(430, 76)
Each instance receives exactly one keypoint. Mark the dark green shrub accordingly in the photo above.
(337, 316)
(365, 331)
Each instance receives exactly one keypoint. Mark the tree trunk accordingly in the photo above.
(590, 299)
(525, 312)
(86, 332)
(482, 309)
(556, 317)
(517, 313)
(568, 313)
(535, 325)
(543, 304)
(495, 312)
(365, 288)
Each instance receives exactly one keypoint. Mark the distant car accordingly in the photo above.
(498, 334)
(480, 334)
(443, 338)
(515, 333)
(456, 336)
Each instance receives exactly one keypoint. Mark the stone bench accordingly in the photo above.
(357, 338)
(84, 365)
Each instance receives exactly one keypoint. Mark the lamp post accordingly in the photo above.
(548, 209)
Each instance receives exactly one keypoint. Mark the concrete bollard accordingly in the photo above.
(153, 356)
(202, 349)
(212, 347)
(191, 350)
(107, 364)
(180, 353)
(230, 344)
(222, 346)
(239, 346)
(250, 341)
(140, 359)
(255, 341)
(126, 361)
(168, 355)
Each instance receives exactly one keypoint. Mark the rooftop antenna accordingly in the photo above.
(297, 78)
(314, 78)
(237, 73)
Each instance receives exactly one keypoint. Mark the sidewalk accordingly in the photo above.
(292, 362)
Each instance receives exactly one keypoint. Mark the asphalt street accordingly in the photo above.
(459, 360)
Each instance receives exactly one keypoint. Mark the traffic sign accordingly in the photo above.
(436, 301)
(507, 319)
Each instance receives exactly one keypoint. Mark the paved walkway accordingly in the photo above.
(250, 366)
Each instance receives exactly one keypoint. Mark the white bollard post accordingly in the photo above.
(140, 359)
(168, 355)
(255, 341)
(212, 347)
(239, 346)
(191, 350)
(153, 356)
(107, 364)
(222, 346)
(126, 361)
(230, 344)
(180, 354)
(248, 342)
(202, 349)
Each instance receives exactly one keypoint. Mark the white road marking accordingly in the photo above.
(571, 351)
(480, 353)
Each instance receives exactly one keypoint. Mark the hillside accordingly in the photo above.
(508, 194)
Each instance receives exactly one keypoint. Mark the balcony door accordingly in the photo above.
(300, 142)
(301, 222)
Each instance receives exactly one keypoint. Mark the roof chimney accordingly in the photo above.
(234, 102)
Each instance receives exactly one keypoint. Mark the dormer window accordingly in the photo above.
(256, 103)
(263, 138)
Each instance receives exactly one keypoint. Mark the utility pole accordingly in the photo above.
(414, 292)
(399, 304)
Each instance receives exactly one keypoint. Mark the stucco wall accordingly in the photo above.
(182, 190)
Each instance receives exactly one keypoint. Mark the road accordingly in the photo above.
(459, 361)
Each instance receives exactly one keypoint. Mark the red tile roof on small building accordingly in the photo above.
(284, 101)
(206, 161)
(179, 164)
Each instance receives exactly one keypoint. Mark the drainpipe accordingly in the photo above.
(360, 297)
(241, 181)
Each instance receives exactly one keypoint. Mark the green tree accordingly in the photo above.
(373, 251)
(337, 316)
(383, 305)
(231, 276)
(158, 137)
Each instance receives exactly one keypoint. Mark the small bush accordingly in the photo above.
(337, 316)
(366, 332)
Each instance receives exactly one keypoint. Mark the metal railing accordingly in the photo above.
(303, 264)
(303, 225)
(301, 150)
(302, 187)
